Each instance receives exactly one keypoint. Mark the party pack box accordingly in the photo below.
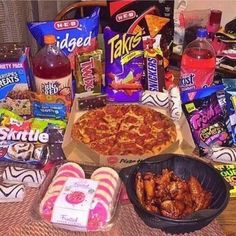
(14, 77)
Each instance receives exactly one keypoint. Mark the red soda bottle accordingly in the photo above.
(198, 63)
(52, 70)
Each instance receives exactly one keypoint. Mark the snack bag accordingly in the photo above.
(230, 94)
(89, 72)
(50, 106)
(151, 17)
(73, 36)
(30, 143)
(123, 66)
(207, 123)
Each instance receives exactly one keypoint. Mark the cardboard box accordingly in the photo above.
(82, 154)
(15, 78)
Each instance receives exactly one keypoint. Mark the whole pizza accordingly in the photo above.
(125, 130)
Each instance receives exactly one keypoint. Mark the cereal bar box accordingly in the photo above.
(14, 78)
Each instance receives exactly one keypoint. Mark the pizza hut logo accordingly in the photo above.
(112, 160)
(67, 24)
(127, 15)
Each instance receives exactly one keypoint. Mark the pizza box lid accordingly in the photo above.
(82, 154)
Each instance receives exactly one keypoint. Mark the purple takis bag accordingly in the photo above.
(124, 66)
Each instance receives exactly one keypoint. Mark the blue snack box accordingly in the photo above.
(14, 68)
(15, 78)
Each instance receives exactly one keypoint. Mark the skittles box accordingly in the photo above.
(14, 78)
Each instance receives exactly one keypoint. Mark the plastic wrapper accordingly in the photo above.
(228, 172)
(158, 99)
(154, 64)
(73, 36)
(78, 185)
(207, 122)
(222, 154)
(166, 99)
(123, 66)
(29, 142)
(50, 106)
(152, 18)
(175, 107)
(89, 72)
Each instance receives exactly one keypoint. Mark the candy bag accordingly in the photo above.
(123, 66)
(230, 94)
(73, 36)
(152, 18)
(207, 123)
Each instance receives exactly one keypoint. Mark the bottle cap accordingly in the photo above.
(49, 39)
(202, 33)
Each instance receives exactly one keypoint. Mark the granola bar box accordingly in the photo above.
(14, 73)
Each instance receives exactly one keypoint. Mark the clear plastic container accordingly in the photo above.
(102, 223)
(198, 63)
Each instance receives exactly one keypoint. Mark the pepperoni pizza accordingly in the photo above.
(125, 130)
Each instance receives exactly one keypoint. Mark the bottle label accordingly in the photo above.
(191, 78)
(60, 86)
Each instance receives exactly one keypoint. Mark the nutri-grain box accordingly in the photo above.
(15, 78)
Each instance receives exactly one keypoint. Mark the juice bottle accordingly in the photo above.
(52, 70)
(198, 63)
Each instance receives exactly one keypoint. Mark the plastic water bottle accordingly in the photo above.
(52, 70)
(198, 63)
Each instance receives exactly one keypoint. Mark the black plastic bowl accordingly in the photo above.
(184, 167)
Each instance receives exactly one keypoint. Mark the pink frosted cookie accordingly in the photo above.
(106, 187)
(46, 206)
(99, 215)
(73, 167)
(106, 170)
(58, 181)
(104, 195)
(66, 173)
(106, 178)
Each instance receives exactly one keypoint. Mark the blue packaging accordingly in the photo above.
(15, 78)
(74, 36)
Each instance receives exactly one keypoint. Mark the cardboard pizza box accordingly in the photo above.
(82, 154)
